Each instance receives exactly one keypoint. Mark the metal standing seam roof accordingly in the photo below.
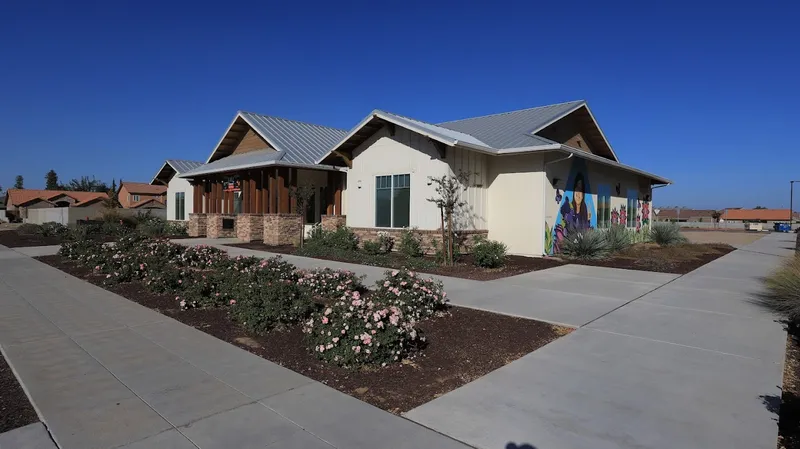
(513, 129)
(301, 143)
(441, 132)
(238, 161)
(182, 166)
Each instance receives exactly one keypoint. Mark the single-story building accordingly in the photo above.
(682, 215)
(768, 216)
(532, 177)
(19, 201)
(139, 195)
(179, 191)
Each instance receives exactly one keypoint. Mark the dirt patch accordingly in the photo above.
(461, 347)
(678, 259)
(464, 268)
(735, 238)
(14, 239)
(15, 409)
(789, 414)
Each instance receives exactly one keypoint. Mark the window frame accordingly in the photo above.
(633, 208)
(391, 189)
(180, 205)
(604, 212)
(135, 197)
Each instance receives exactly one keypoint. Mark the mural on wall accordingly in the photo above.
(576, 210)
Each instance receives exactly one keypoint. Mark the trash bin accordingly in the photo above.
(782, 227)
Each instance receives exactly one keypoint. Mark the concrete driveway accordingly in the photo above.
(691, 364)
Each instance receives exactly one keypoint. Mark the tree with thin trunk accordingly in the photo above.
(303, 194)
(86, 184)
(112, 202)
(448, 200)
(19, 182)
(51, 180)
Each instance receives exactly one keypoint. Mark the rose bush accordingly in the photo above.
(356, 330)
(328, 283)
(418, 298)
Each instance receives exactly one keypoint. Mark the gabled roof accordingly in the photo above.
(143, 188)
(172, 167)
(87, 202)
(32, 201)
(300, 143)
(758, 214)
(19, 196)
(149, 201)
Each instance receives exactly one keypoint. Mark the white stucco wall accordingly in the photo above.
(410, 153)
(515, 210)
(176, 185)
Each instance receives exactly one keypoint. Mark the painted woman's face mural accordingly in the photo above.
(576, 212)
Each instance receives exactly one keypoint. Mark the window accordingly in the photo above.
(180, 205)
(393, 201)
(134, 198)
(603, 206)
(633, 206)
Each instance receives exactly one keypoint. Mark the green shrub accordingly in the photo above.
(356, 331)
(53, 229)
(372, 247)
(410, 243)
(667, 234)
(489, 253)
(342, 238)
(329, 283)
(383, 245)
(262, 306)
(363, 258)
(782, 294)
(29, 229)
(84, 251)
(618, 238)
(416, 297)
(585, 245)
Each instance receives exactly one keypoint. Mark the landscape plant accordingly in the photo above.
(303, 195)
(448, 200)
(586, 245)
(410, 243)
(782, 294)
(327, 283)
(415, 296)
(618, 238)
(667, 234)
(489, 253)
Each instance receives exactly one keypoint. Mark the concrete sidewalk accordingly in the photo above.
(104, 372)
(692, 364)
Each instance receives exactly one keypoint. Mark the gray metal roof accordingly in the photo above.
(237, 161)
(513, 129)
(301, 143)
(438, 131)
(182, 166)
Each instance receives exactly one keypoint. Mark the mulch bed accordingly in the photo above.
(15, 409)
(464, 268)
(14, 239)
(789, 414)
(679, 259)
(461, 347)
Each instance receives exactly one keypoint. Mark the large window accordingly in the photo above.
(180, 205)
(392, 201)
(633, 206)
(603, 206)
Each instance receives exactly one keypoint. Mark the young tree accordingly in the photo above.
(759, 207)
(448, 200)
(113, 199)
(716, 216)
(51, 180)
(19, 182)
(86, 184)
(303, 194)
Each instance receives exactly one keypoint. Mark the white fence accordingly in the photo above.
(70, 215)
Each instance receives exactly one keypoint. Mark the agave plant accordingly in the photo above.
(585, 245)
(618, 238)
(667, 234)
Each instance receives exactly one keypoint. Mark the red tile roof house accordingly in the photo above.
(140, 195)
(759, 215)
(533, 174)
(19, 201)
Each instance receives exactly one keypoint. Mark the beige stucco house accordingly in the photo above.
(531, 176)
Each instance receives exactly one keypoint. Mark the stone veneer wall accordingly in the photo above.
(197, 225)
(333, 222)
(214, 226)
(428, 237)
(282, 229)
(250, 227)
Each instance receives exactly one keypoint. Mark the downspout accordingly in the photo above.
(651, 202)
(544, 186)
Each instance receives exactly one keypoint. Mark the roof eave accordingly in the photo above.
(602, 160)
(160, 170)
(279, 163)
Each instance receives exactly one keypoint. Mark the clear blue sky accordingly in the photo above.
(704, 95)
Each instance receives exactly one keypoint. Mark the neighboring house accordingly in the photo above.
(769, 216)
(533, 176)
(685, 215)
(179, 192)
(139, 195)
(3, 208)
(19, 201)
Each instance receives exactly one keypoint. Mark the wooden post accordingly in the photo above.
(264, 192)
(283, 190)
(219, 196)
(207, 196)
(337, 195)
(245, 193)
(253, 199)
(293, 184)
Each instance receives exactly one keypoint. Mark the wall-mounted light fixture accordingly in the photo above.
(358, 183)
(555, 182)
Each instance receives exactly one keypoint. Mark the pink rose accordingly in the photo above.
(233, 301)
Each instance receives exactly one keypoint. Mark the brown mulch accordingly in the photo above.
(464, 268)
(789, 413)
(461, 347)
(15, 409)
(678, 259)
(14, 239)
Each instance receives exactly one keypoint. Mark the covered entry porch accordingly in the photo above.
(258, 203)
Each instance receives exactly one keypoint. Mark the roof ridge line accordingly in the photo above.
(511, 112)
(291, 120)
